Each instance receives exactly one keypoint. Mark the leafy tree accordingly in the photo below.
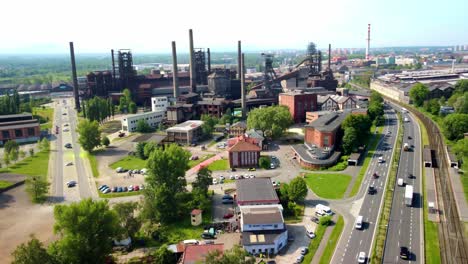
(376, 97)
(272, 120)
(32, 252)
(226, 118)
(461, 86)
(418, 93)
(90, 134)
(140, 150)
(6, 158)
(350, 140)
(203, 180)
(163, 255)
(105, 141)
(13, 155)
(461, 148)
(37, 187)
(22, 154)
(325, 220)
(166, 179)
(361, 123)
(432, 106)
(461, 104)
(31, 152)
(148, 148)
(132, 108)
(44, 145)
(209, 123)
(129, 223)
(235, 255)
(375, 110)
(264, 162)
(10, 145)
(143, 127)
(297, 190)
(86, 231)
(123, 105)
(455, 125)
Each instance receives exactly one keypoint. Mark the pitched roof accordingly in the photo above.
(329, 122)
(262, 215)
(244, 146)
(196, 253)
(256, 190)
(240, 124)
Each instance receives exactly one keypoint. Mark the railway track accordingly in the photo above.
(453, 243)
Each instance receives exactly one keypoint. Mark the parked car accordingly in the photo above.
(102, 187)
(136, 171)
(121, 134)
(404, 253)
(114, 189)
(130, 188)
(66, 130)
(108, 190)
(228, 215)
(227, 197)
(71, 184)
(290, 238)
(226, 201)
(119, 189)
(221, 177)
(124, 189)
(299, 259)
(315, 219)
(252, 176)
(136, 188)
(194, 158)
(215, 181)
(119, 169)
(66, 125)
(231, 177)
(304, 250)
(252, 169)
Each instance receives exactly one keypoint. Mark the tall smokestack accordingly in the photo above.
(239, 54)
(193, 77)
(175, 78)
(368, 42)
(209, 60)
(329, 57)
(242, 77)
(113, 70)
(75, 79)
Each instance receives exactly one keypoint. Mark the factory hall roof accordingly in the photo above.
(256, 190)
(329, 122)
(186, 126)
(262, 215)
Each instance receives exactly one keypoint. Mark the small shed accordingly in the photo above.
(354, 159)
(196, 217)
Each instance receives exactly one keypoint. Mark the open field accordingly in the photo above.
(219, 165)
(32, 166)
(47, 113)
(329, 185)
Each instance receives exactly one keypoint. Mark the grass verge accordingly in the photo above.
(47, 114)
(431, 232)
(130, 163)
(328, 185)
(373, 144)
(193, 163)
(331, 245)
(219, 165)
(118, 194)
(381, 234)
(93, 163)
(314, 243)
(5, 184)
(38, 165)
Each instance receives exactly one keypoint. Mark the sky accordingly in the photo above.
(96, 26)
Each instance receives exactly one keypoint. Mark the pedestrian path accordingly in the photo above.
(459, 194)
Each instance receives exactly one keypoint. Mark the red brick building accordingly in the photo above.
(299, 103)
(322, 132)
(21, 128)
(244, 154)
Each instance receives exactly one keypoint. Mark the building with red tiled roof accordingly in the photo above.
(196, 253)
(244, 154)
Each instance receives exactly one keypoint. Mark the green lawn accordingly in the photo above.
(219, 165)
(193, 163)
(118, 194)
(33, 166)
(329, 185)
(130, 163)
(93, 162)
(5, 184)
(314, 243)
(47, 113)
(373, 144)
(332, 241)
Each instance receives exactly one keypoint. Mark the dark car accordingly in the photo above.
(120, 189)
(226, 201)
(71, 184)
(409, 137)
(404, 253)
(371, 190)
(315, 219)
(124, 189)
(207, 236)
(228, 215)
(115, 189)
(227, 197)
(375, 175)
(68, 145)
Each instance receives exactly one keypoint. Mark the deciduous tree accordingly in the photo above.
(235, 255)
(455, 125)
(32, 252)
(272, 120)
(297, 190)
(264, 162)
(143, 127)
(350, 140)
(127, 219)
(105, 141)
(37, 187)
(203, 180)
(89, 134)
(418, 93)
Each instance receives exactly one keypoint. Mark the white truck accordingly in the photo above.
(322, 210)
(406, 147)
(409, 195)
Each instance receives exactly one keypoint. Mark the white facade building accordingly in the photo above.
(159, 103)
(153, 119)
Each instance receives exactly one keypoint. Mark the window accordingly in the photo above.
(6, 134)
(18, 133)
(31, 131)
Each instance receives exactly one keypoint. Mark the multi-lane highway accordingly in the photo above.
(354, 241)
(404, 228)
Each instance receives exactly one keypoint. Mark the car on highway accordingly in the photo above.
(371, 190)
(409, 137)
(64, 114)
(66, 130)
(68, 145)
(69, 164)
(404, 253)
(375, 175)
(362, 257)
(381, 160)
(66, 125)
(71, 184)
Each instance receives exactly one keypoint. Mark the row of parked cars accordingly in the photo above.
(106, 189)
(136, 171)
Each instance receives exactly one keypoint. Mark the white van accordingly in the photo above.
(191, 242)
(381, 160)
(400, 182)
(310, 229)
(321, 210)
(358, 224)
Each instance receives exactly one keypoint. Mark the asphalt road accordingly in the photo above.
(353, 240)
(58, 177)
(405, 223)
